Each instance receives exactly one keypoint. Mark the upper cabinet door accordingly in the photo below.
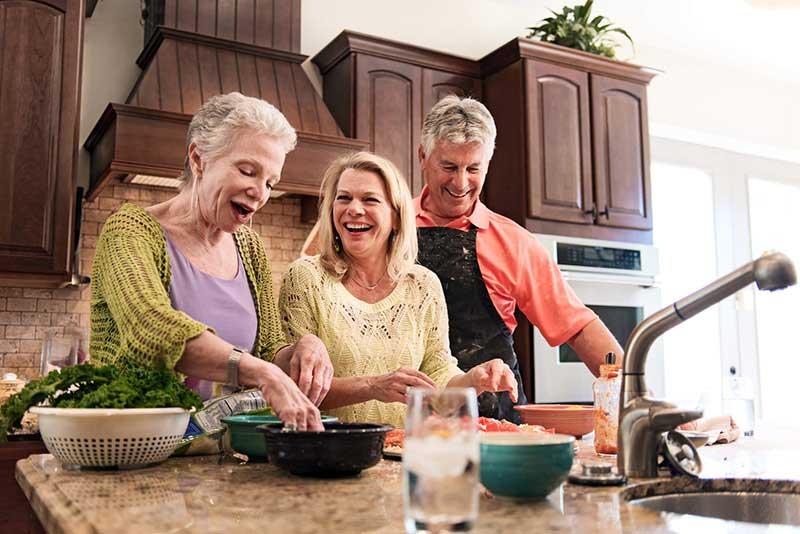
(621, 153)
(559, 161)
(388, 102)
(437, 84)
(40, 44)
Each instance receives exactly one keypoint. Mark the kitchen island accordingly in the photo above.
(224, 494)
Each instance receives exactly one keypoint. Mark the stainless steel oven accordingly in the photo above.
(617, 281)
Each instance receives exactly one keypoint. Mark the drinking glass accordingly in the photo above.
(63, 350)
(441, 460)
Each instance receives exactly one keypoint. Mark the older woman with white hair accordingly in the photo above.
(186, 284)
(382, 316)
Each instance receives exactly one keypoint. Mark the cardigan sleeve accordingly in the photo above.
(125, 277)
(438, 363)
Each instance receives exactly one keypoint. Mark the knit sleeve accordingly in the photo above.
(438, 363)
(126, 276)
(299, 311)
(270, 333)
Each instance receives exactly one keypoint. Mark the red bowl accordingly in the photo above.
(571, 419)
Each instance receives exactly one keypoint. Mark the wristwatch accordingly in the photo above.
(233, 367)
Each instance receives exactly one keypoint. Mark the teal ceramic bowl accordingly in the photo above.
(523, 465)
(244, 437)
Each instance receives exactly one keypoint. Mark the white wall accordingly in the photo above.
(112, 40)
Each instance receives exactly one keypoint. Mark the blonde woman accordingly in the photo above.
(186, 284)
(381, 316)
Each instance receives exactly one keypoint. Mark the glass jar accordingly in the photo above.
(606, 403)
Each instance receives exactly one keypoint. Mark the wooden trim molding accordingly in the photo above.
(349, 42)
(520, 48)
(161, 33)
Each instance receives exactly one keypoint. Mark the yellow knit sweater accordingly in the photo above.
(408, 328)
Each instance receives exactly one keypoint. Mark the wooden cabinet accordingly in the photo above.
(572, 135)
(380, 91)
(621, 153)
(40, 45)
(16, 514)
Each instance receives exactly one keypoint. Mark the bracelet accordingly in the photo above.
(233, 367)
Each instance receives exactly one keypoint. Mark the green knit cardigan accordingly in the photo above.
(132, 319)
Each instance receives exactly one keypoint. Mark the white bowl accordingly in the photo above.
(101, 437)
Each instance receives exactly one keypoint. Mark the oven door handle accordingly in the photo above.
(641, 281)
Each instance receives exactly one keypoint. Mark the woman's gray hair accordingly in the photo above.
(458, 120)
(215, 125)
(402, 253)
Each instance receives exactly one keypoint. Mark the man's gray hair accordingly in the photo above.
(458, 120)
(216, 124)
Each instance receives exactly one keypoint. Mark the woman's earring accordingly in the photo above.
(337, 243)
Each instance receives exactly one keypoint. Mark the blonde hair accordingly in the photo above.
(458, 120)
(402, 253)
(217, 123)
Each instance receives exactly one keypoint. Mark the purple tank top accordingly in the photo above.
(225, 305)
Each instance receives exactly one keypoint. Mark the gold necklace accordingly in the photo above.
(369, 288)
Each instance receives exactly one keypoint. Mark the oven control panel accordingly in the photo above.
(598, 256)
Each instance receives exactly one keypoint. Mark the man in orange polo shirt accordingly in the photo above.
(488, 264)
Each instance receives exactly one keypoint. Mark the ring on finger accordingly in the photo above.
(289, 427)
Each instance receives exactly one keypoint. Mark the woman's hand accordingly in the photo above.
(493, 375)
(392, 387)
(310, 367)
(287, 401)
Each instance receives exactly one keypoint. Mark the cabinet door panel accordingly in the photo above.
(388, 100)
(621, 149)
(39, 95)
(559, 163)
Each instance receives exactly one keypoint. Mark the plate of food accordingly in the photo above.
(393, 444)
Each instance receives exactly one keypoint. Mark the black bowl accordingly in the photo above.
(343, 449)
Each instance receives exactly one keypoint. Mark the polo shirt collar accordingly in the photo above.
(479, 216)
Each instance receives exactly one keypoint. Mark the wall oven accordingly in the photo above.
(617, 281)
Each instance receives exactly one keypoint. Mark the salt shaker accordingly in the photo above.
(606, 403)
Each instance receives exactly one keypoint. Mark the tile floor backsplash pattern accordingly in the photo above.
(28, 315)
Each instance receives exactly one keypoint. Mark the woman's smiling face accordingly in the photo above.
(236, 184)
(363, 215)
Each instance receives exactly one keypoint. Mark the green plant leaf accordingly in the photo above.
(573, 28)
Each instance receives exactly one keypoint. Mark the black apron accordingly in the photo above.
(477, 332)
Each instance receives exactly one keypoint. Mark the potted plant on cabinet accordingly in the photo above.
(575, 28)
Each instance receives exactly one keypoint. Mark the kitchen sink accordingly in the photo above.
(753, 507)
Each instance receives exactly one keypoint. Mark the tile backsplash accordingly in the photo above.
(28, 315)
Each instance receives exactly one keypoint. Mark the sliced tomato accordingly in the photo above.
(394, 438)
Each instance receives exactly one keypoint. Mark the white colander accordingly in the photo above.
(111, 437)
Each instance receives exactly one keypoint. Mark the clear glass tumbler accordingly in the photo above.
(63, 350)
(441, 460)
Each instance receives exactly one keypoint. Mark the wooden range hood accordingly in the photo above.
(144, 140)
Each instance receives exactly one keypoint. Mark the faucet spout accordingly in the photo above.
(642, 419)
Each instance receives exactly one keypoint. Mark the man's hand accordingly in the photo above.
(310, 367)
(292, 406)
(392, 387)
(493, 375)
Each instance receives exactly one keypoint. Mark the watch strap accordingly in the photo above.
(232, 375)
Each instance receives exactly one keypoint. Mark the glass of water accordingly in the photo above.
(441, 460)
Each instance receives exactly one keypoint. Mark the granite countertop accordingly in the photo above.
(223, 494)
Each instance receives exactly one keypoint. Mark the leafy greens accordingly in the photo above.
(89, 386)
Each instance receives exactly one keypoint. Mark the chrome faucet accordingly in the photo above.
(642, 419)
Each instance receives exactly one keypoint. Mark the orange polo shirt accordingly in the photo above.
(518, 271)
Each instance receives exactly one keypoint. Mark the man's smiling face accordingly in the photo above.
(455, 173)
